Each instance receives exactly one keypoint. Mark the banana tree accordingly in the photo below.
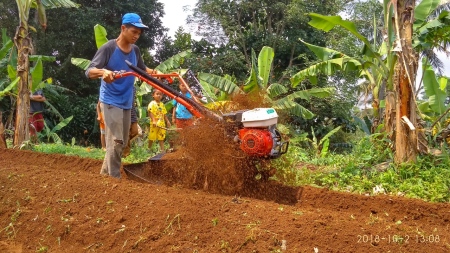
(373, 66)
(376, 66)
(24, 45)
(406, 137)
(275, 93)
(8, 84)
(393, 66)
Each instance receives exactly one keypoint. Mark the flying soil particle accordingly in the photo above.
(211, 159)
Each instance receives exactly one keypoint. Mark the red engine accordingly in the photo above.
(256, 141)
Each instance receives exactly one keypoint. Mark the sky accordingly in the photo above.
(174, 16)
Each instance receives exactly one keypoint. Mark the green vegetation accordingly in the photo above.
(367, 170)
(138, 153)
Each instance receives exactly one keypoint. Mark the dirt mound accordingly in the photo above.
(205, 157)
(56, 203)
(208, 157)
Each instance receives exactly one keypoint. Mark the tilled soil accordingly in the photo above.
(56, 203)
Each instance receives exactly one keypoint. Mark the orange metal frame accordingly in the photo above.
(169, 77)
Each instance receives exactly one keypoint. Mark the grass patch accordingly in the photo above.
(138, 153)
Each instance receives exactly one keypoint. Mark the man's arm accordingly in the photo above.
(174, 114)
(106, 75)
(38, 98)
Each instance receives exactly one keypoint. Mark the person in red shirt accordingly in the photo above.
(36, 118)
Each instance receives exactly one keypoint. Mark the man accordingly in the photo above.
(116, 95)
(36, 118)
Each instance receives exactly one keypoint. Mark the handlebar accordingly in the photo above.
(168, 77)
(193, 107)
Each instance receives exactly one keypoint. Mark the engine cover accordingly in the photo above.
(256, 141)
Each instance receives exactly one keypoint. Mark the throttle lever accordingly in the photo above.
(118, 74)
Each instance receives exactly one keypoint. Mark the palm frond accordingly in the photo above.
(208, 89)
(100, 34)
(293, 108)
(54, 110)
(49, 4)
(265, 59)
(434, 60)
(7, 90)
(80, 62)
(276, 89)
(54, 88)
(307, 94)
(220, 83)
(445, 6)
(254, 80)
(6, 48)
(173, 62)
(328, 67)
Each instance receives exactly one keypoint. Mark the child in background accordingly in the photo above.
(181, 117)
(102, 126)
(158, 119)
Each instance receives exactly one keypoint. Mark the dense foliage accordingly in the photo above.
(70, 34)
(76, 39)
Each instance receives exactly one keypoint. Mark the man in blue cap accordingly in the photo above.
(116, 95)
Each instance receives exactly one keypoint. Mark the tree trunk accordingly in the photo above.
(405, 137)
(22, 40)
(404, 78)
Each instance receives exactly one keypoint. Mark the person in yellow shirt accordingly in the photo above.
(158, 120)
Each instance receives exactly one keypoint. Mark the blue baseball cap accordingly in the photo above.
(134, 20)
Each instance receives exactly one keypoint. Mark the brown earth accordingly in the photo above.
(57, 203)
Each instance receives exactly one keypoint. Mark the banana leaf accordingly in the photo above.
(220, 83)
(80, 62)
(173, 62)
(293, 108)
